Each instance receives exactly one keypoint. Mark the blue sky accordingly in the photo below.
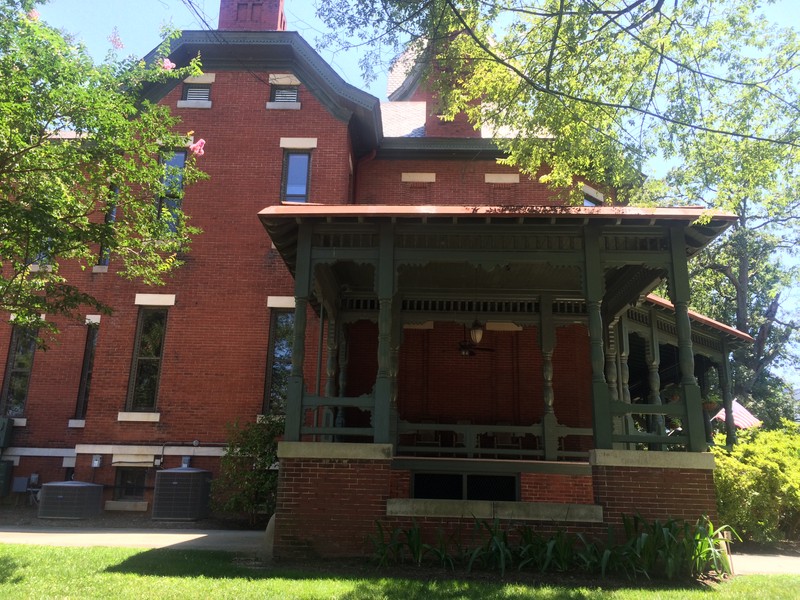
(140, 21)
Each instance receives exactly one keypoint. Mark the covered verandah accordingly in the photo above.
(538, 417)
(425, 277)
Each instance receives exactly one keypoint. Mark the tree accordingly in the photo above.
(592, 88)
(596, 89)
(82, 161)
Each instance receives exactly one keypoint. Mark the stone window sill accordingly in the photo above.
(76, 423)
(194, 104)
(283, 106)
(139, 417)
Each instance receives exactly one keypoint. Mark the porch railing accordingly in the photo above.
(460, 440)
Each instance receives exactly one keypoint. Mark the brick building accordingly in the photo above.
(461, 342)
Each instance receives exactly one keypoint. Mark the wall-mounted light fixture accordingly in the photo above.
(476, 332)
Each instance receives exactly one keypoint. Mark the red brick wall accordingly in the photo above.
(328, 507)
(457, 182)
(217, 333)
(684, 494)
(551, 487)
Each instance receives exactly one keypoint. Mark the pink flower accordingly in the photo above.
(167, 64)
(116, 41)
(33, 14)
(197, 147)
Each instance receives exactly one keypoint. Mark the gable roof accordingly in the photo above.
(259, 51)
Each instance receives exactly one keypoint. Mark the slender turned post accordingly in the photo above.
(655, 423)
(611, 363)
(547, 334)
(343, 361)
(593, 288)
(302, 288)
(381, 416)
(679, 294)
(333, 358)
(612, 373)
(724, 372)
(624, 371)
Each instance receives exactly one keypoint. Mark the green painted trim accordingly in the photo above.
(488, 466)
(324, 450)
(654, 460)
(482, 509)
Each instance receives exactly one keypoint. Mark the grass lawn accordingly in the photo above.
(50, 572)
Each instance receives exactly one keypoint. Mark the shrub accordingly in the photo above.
(758, 483)
(248, 480)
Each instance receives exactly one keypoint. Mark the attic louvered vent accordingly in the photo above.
(282, 93)
(197, 92)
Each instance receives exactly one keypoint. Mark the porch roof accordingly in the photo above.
(701, 225)
(731, 332)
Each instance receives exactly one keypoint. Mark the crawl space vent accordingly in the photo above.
(70, 500)
(181, 494)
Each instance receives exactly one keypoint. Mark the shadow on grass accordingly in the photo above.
(9, 570)
(399, 583)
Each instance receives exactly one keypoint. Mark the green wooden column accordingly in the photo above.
(381, 416)
(724, 373)
(679, 295)
(302, 288)
(593, 289)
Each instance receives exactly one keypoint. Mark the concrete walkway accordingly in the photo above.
(252, 542)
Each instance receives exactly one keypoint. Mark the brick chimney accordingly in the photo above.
(257, 15)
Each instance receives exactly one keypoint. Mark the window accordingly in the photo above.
(296, 169)
(279, 360)
(196, 91)
(146, 367)
(130, 484)
(283, 93)
(458, 486)
(169, 204)
(104, 255)
(18, 371)
(86, 370)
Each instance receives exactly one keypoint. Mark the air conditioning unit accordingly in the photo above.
(181, 494)
(70, 500)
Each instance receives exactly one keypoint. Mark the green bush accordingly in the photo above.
(248, 480)
(758, 483)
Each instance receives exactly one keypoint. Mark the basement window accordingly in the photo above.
(130, 484)
(463, 486)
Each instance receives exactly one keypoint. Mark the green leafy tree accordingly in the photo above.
(600, 91)
(82, 161)
(591, 88)
(248, 481)
(758, 483)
